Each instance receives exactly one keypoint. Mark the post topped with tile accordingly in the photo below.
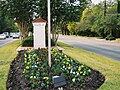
(39, 33)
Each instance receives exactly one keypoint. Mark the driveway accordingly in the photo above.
(6, 41)
(98, 46)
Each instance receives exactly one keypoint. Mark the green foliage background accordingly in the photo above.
(95, 23)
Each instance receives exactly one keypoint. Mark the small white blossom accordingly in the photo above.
(73, 72)
(73, 79)
(89, 70)
(63, 66)
(77, 73)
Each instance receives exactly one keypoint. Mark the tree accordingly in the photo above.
(111, 25)
(6, 24)
(99, 27)
(72, 28)
(21, 11)
(98, 24)
(62, 12)
(94, 22)
(86, 22)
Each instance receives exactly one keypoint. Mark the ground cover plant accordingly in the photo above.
(30, 70)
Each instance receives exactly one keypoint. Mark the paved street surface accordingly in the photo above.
(6, 41)
(99, 46)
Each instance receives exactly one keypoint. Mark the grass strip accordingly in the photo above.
(108, 67)
(7, 54)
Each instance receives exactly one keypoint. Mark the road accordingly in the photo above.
(98, 46)
(6, 41)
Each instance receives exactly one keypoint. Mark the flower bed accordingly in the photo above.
(34, 71)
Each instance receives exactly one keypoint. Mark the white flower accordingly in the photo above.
(35, 55)
(30, 59)
(63, 66)
(83, 73)
(77, 73)
(89, 70)
(71, 60)
(35, 65)
(65, 56)
(82, 66)
(69, 67)
(73, 79)
(60, 57)
(63, 62)
(55, 59)
(73, 72)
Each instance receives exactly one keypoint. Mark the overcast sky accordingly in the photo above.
(96, 1)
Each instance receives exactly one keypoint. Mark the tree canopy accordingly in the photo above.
(6, 24)
(93, 22)
(24, 11)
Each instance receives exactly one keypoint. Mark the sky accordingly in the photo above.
(96, 1)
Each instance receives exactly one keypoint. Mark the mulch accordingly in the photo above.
(17, 81)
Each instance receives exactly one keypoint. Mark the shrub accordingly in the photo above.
(110, 37)
(28, 41)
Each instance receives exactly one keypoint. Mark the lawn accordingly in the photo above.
(7, 54)
(117, 40)
(108, 67)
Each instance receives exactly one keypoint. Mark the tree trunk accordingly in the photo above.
(105, 7)
(23, 30)
(55, 35)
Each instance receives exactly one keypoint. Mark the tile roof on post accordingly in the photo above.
(39, 20)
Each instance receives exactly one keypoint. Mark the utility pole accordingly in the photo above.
(105, 7)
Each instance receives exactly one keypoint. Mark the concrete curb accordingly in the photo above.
(23, 48)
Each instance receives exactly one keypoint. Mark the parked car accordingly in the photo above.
(7, 34)
(2, 36)
(15, 36)
(11, 34)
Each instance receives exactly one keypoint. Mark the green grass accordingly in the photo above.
(7, 54)
(117, 40)
(108, 67)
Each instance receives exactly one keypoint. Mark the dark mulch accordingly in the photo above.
(16, 80)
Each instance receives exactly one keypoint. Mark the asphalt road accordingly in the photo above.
(98, 46)
(6, 41)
